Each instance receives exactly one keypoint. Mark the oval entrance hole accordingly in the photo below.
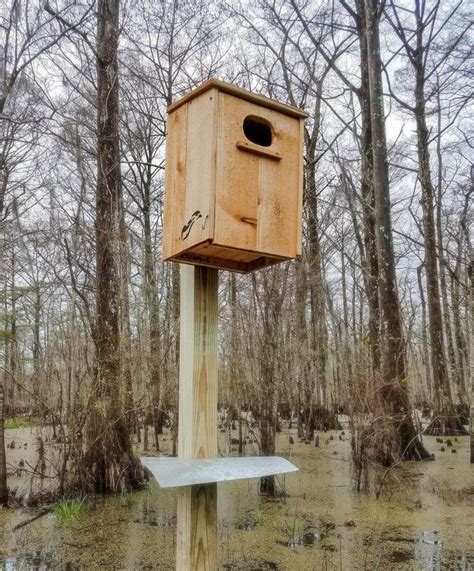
(258, 130)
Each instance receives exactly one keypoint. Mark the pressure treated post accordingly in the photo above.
(196, 543)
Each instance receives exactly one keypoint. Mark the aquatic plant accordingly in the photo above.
(71, 508)
(126, 499)
(257, 517)
(292, 529)
(18, 422)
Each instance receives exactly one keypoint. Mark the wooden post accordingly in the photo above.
(196, 543)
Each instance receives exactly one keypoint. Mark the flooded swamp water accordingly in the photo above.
(422, 519)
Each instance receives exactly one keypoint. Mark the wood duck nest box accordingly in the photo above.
(234, 179)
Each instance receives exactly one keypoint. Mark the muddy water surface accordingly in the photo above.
(423, 519)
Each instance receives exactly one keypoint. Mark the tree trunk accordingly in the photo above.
(471, 303)
(306, 385)
(424, 337)
(36, 346)
(461, 345)
(393, 389)
(151, 300)
(234, 360)
(3, 455)
(439, 243)
(371, 266)
(269, 366)
(267, 436)
(125, 328)
(11, 352)
(445, 421)
(346, 338)
(319, 341)
(109, 463)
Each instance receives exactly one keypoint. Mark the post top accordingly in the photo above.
(242, 94)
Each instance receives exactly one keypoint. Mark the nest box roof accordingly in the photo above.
(241, 94)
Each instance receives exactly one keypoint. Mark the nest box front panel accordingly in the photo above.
(258, 170)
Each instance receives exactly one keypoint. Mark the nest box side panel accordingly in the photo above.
(258, 179)
(299, 214)
(190, 174)
(175, 180)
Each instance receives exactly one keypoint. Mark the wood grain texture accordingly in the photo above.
(299, 216)
(198, 364)
(201, 140)
(257, 186)
(196, 541)
(226, 258)
(190, 175)
(226, 191)
(175, 181)
(258, 150)
(196, 546)
(241, 94)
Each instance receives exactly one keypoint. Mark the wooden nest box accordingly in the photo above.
(234, 179)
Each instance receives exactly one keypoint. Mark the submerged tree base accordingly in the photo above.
(446, 425)
(108, 463)
(416, 451)
(267, 486)
(326, 420)
(463, 412)
(320, 419)
(412, 448)
(387, 441)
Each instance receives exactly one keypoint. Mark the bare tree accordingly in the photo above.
(418, 47)
(393, 389)
(27, 32)
(109, 462)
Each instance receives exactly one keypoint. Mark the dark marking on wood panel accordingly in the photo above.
(187, 227)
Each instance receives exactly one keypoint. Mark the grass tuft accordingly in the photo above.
(18, 422)
(70, 508)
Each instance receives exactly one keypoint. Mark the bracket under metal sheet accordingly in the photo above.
(176, 472)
